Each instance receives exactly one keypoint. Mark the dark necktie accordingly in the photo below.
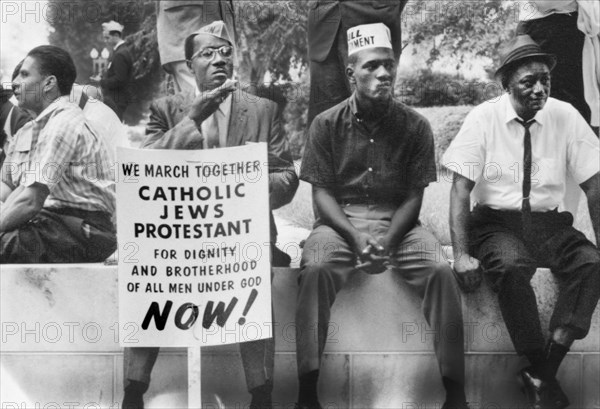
(526, 206)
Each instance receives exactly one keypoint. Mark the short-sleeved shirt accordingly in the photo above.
(60, 150)
(489, 150)
(369, 166)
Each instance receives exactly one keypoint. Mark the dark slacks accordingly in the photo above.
(558, 34)
(510, 257)
(60, 236)
(328, 261)
(328, 81)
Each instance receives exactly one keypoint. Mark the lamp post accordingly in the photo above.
(99, 60)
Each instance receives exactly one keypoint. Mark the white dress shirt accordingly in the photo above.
(488, 150)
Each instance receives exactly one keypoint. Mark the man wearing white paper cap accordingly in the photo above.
(115, 82)
(206, 118)
(328, 23)
(369, 159)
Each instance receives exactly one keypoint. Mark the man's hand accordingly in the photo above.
(206, 103)
(468, 272)
(371, 254)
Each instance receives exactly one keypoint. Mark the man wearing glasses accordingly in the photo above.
(210, 117)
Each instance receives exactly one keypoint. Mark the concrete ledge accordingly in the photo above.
(58, 346)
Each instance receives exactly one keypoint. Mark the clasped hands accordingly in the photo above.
(373, 255)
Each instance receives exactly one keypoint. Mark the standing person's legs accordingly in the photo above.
(421, 263)
(327, 261)
(328, 81)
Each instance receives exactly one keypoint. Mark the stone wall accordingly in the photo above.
(59, 348)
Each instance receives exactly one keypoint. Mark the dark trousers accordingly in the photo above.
(558, 34)
(60, 236)
(510, 257)
(328, 81)
(328, 261)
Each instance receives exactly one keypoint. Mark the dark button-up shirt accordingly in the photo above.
(369, 166)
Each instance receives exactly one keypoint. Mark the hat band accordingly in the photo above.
(522, 52)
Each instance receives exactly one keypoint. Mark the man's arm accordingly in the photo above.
(467, 267)
(186, 134)
(5, 191)
(591, 187)
(159, 134)
(364, 245)
(22, 205)
(283, 180)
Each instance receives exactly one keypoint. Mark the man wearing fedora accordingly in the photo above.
(511, 158)
(211, 116)
(368, 160)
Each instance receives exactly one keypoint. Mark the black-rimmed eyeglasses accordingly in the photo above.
(209, 53)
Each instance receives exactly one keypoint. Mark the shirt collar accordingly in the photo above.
(511, 114)
(120, 43)
(57, 103)
(353, 103)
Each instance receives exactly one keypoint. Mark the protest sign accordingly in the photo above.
(193, 230)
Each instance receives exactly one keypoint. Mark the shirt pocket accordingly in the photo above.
(547, 173)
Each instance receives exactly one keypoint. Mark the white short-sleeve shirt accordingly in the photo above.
(488, 150)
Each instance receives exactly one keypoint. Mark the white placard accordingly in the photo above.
(193, 230)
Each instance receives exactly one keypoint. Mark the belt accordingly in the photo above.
(97, 218)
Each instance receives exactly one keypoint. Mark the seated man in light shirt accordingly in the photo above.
(512, 157)
(57, 190)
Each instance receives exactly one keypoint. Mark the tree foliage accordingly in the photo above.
(77, 25)
(460, 30)
(272, 37)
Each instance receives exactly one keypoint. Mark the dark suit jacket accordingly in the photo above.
(115, 82)
(326, 17)
(252, 119)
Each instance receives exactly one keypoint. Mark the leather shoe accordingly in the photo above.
(556, 398)
(543, 394)
(133, 401)
(315, 405)
(134, 395)
(262, 404)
